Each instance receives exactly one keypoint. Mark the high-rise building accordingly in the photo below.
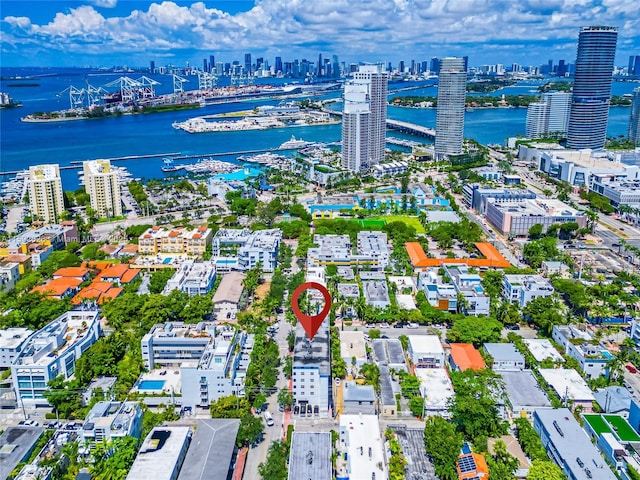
(434, 65)
(592, 87)
(364, 121)
(278, 64)
(152, 66)
(634, 120)
(549, 116)
(452, 84)
(634, 65)
(45, 192)
(247, 63)
(101, 183)
(212, 64)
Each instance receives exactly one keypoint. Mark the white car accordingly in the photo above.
(384, 325)
(413, 325)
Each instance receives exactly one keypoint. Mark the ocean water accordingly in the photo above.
(25, 144)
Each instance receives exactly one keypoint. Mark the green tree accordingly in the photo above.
(371, 374)
(536, 231)
(545, 470)
(416, 405)
(492, 283)
(159, 279)
(476, 330)
(285, 397)
(501, 463)
(275, 466)
(443, 443)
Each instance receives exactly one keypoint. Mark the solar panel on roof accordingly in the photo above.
(467, 464)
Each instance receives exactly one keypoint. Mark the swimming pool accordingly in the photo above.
(239, 175)
(166, 261)
(151, 385)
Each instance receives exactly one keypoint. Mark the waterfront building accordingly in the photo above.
(310, 456)
(45, 192)
(102, 184)
(311, 374)
(177, 241)
(161, 454)
(12, 341)
(364, 118)
(592, 87)
(549, 116)
(516, 218)
(569, 446)
(363, 446)
(634, 118)
(243, 249)
(521, 289)
(192, 278)
(452, 84)
(52, 351)
(109, 420)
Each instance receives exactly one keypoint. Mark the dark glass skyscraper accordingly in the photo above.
(592, 87)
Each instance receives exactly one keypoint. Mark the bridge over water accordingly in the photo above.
(398, 126)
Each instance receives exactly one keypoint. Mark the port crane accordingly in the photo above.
(89, 96)
(132, 90)
(177, 84)
(206, 81)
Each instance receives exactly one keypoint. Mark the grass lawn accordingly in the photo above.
(411, 221)
(622, 428)
(597, 424)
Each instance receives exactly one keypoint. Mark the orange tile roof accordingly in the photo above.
(108, 249)
(481, 471)
(416, 254)
(110, 294)
(155, 227)
(17, 258)
(466, 356)
(493, 258)
(51, 290)
(85, 294)
(115, 270)
(173, 233)
(71, 272)
(147, 235)
(202, 229)
(129, 248)
(129, 275)
(99, 265)
(72, 282)
(197, 235)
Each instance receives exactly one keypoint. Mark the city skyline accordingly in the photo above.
(117, 32)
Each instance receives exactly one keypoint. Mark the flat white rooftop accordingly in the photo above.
(541, 349)
(425, 343)
(11, 338)
(435, 387)
(364, 445)
(566, 381)
(352, 344)
(159, 454)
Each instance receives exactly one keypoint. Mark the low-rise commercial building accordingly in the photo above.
(619, 190)
(184, 241)
(161, 455)
(228, 296)
(516, 218)
(505, 356)
(243, 249)
(476, 196)
(521, 289)
(425, 351)
(358, 399)
(581, 345)
(361, 448)
(376, 293)
(12, 341)
(310, 456)
(108, 420)
(569, 446)
(52, 351)
(193, 278)
(542, 349)
(352, 348)
(569, 385)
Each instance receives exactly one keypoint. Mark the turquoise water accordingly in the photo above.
(239, 175)
(167, 260)
(151, 385)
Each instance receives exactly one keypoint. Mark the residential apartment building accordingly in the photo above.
(312, 371)
(12, 341)
(375, 246)
(103, 186)
(469, 288)
(634, 118)
(436, 389)
(172, 343)
(40, 243)
(220, 372)
(9, 275)
(549, 116)
(516, 218)
(440, 295)
(158, 240)
(363, 446)
(192, 278)
(521, 289)
(425, 351)
(243, 249)
(592, 87)
(52, 351)
(45, 192)
(372, 251)
(452, 88)
(581, 345)
(570, 387)
(161, 454)
(569, 446)
(505, 357)
(109, 420)
(364, 118)
(523, 394)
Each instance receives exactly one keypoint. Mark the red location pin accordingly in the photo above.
(310, 323)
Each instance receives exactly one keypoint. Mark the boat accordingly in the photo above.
(7, 102)
(170, 167)
(294, 143)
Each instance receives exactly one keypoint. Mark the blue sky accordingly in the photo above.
(133, 32)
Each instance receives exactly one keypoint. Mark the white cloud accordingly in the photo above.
(387, 28)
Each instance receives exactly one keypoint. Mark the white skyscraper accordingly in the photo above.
(365, 118)
(634, 120)
(101, 183)
(549, 116)
(45, 192)
(452, 85)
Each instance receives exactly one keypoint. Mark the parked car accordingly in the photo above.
(631, 368)
(413, 325)
(384, 325)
